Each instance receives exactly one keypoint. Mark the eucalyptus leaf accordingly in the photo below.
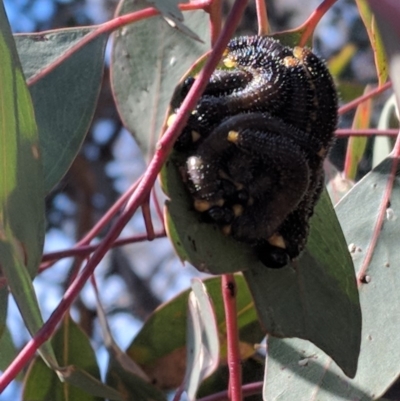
(148, 60)
(66, 97)
(297, 369)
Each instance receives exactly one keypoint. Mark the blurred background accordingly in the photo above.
(133, 280)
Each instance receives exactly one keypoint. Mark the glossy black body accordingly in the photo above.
(255, 144)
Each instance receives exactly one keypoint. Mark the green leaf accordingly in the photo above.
(316, 297)
(3, 310)
(285, 308)
(173, 15)
(123, 374)
(74, 353)
(194, 241)
(378, 365)
(340, 61)
(368, 18)
(387, 15)
(7, 349)
(356, 145)
(147, 62)
(64, 99)
(21, 186)
(159, 348)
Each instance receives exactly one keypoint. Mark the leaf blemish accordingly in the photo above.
(390, 214)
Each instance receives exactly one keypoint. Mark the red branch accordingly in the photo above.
(381, 213)
(107, 28)
(344, 133)
(228, 288)
(85, 250)
(353, 104)
(247, 389)
(309, 26)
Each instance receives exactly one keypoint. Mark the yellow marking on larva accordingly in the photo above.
(195, 136)
(237, 210)
(223, 175)
(171, 119)
(229, 63)
(233, 136)
(239, 186)
(226, 230)
(202, 205)
(220, 202)
(322, 152)
(298, 52)
(250, 201)
(277, 240)
(290, 61)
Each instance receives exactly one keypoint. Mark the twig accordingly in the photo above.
(262, 17)
(228, 288)
(247, 389)
(313, 20)
(344, 133)
(353, 104)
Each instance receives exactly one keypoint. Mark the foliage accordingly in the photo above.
(50, 83)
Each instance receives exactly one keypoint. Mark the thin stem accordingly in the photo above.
(140, 194)
(354, 103)
(228, 288)
(147, 219)
(247, 389)
(98, 227)
(344, 133)
(309, 26)
(157, 206)
(262, 17)
(215, 11)
(395, 154)
(105, 29)
(85, 250)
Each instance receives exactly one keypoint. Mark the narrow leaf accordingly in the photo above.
(123, 374)
(202, 339)
(341, 60)
(21, 186)
(79, 371)
(356, 145)
(375, 39)
(159, 348)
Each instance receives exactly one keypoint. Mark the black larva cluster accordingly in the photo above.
(255, 144)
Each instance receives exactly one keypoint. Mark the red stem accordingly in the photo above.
(215, 11)
(344, 133)
(98, 227)
(395, 154)
(353, 104)
(228, 288)
(139, 196)
(247, 389)
(308, 27)
(85, 250)
(262, 17)
(107, 28)
(147, 219)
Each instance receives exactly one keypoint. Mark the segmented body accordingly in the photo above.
(255, 144)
